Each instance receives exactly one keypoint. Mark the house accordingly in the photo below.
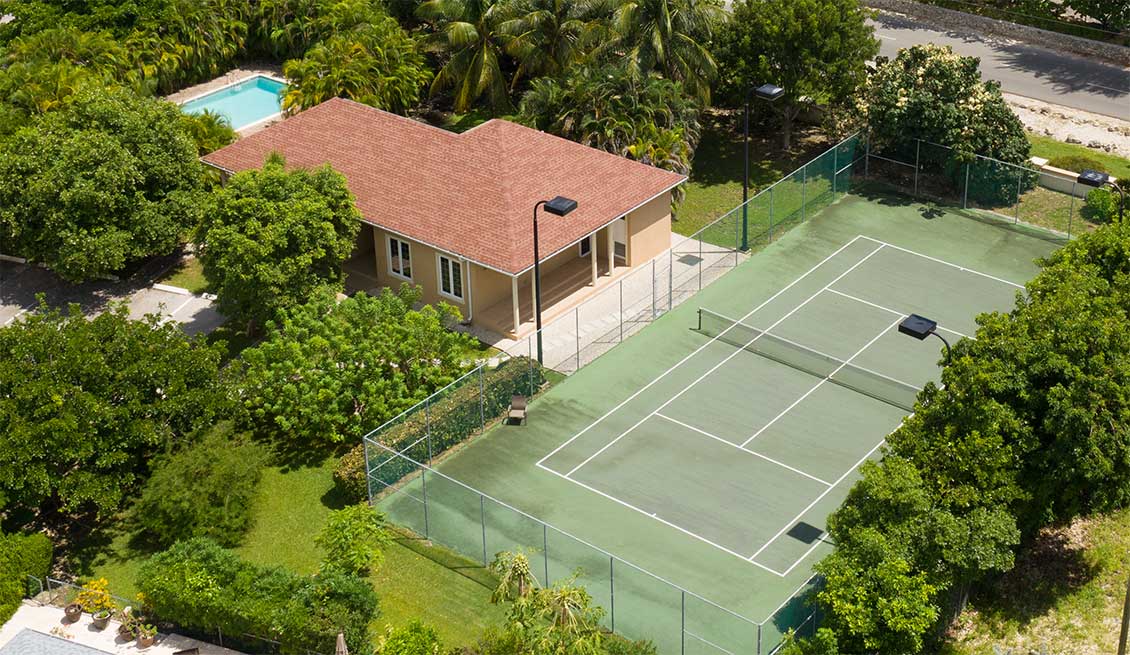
(453, 213)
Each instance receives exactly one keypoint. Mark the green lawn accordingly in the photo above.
(188, 274)
(416, 580)
(1064, 596)
(1051, 149)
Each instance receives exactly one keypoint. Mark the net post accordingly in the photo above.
(545, 550)
(483, 524)
(917, 155)
(612, 590)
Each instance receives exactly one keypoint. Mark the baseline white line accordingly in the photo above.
(788, 599)
(942, 261)
(697, 350)
(182, 306)
(805, 555)
(751, 452)
(707, 642)
(892, 311)
(736, 352)
(818, 499)
(657, 518)
(820, 383)
(17, 315)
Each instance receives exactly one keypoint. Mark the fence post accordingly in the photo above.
(424, 490)
(428, 426)
(653, 289)
(545, 550)
(917, 155)
(530, 363)
(670, 277)
(621, 286)
(1071, 211)
(771, 207)
(700, 262)
(368, 471)
(835, 168)
(577, 328)
(220, 636)
(612, 590)
(1019, 182)
(867, 158)
(758, 639)
(965, 194)
(683, 626)
(803, 193)
(482, 409)
(483, 523)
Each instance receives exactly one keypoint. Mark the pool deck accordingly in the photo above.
(231, 77)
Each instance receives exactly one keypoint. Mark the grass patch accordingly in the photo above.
(715, 184)
(188, 274)
(1064, 596)
(1051, 150)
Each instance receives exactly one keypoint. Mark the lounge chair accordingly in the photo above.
(517, 411)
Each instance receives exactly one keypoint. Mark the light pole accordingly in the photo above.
(559, 206)
(1097, 179)
(769, 93)
(921, 327)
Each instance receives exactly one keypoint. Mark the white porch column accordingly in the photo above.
(592, 256)
(611, 249)
(514, 302)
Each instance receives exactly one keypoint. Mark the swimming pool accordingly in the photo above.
(244, 103)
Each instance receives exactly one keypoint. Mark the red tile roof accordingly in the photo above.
(470, 194)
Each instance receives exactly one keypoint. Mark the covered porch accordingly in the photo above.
(563, 287)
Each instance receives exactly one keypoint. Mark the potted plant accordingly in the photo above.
(146, 635)
(128, 627)
(72, 612)
(102, 619)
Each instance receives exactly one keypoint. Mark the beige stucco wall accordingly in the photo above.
(488, 287)
(425, 270)
(649, 230)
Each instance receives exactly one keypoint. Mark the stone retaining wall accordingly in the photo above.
(960, 20)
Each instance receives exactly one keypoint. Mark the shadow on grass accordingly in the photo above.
(1054, 565)
(469, 569)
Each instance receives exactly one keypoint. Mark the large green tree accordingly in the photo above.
(649, 119)
(84, 404)
(548, 37)
(1113, 15)
(110, 178)
(331, 371)
(378, 64)
(273, 239)
(816, 50)
(468, 35)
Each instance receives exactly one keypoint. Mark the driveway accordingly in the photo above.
(19, 284)
(1022, 69)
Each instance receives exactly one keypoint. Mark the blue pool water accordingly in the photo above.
(242, 104)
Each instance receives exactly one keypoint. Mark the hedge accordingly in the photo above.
(21, 556)
(200, 585)
(449, 418)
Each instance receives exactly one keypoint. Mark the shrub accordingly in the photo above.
(353, 538)
(412, 639)
(1101, 206)
(448, 421)
(95, 596)
(1075, 163)
(197, 584)
(21, 556)
(204, 490)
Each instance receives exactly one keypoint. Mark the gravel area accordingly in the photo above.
(1073, 125)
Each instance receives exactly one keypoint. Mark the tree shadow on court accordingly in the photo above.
(1051, 566)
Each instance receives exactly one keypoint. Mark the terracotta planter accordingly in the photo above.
(125, 631)
(145, 641)
(101, 619)
(73, 612)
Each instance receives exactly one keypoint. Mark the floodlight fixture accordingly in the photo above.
(921, 327)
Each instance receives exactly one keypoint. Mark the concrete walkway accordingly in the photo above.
(50, 620)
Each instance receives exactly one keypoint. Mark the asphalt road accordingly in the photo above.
(1022, 69)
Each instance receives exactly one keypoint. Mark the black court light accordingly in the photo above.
(768, 93)
(558, 206)
(921, 327)
(1099, 179)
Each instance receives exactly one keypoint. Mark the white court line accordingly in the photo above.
(818, 499)
(661, 520)
(942, 261)
(732, 355)
(707, 642)
(16, 315)
(696, 351)
(787, 600)
(892, 311)
(1108, 88)
(751, 452)
(888, 38)
(821, 382)
(182, 306)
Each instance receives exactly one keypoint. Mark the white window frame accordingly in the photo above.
(581, 246)
(389, 239)
(452, 263)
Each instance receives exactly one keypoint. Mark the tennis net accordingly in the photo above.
(805, 359)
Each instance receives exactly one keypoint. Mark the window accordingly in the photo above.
(586, 246)
(450, 278)
(399, 258)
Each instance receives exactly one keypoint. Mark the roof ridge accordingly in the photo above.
(404, 119)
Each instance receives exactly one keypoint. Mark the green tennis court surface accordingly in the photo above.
(710, 448)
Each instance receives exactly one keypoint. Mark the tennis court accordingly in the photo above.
(686, 475)
(694, 450)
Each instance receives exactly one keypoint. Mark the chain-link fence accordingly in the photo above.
(1040, 203)
(60, 593)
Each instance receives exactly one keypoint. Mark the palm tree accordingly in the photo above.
(668, 36)
(468, 33)
(573, 623)
(95, 51)
(549, 36)
(515, 580)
